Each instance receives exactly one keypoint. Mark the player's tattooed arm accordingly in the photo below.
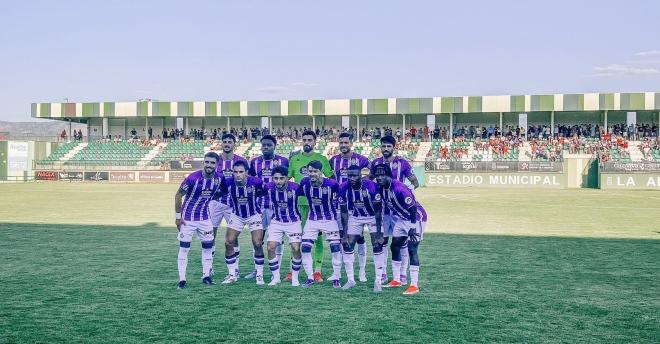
(379, 222)
(177, 207)
(412, 216)
(413, 180)
(344, 220)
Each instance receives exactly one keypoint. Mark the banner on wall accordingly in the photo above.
(71, 176)
(122, 176)
(152, 177)
(635, 167)
(17, 158)
(46, 175)
(504, 180)
(178, 177)
(495, 166)
(96, 176)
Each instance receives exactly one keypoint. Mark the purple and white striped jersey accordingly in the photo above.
(322, 199)
(401, 169)
(421, 213)
(284, 203)
(243, 198)
(199, 192)
(398, 199)
(225, 167)
(262, 168)
(340, 165)
(360, 202)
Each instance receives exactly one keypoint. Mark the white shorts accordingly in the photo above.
(388, 225)
(356, 225)
(327, 227)
(238, 223)
(277, 230)
(203, 229)
(266, 215)
(401, 227)
(218, 212)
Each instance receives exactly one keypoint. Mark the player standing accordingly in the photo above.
(321, 194)
(408, 224)
(192, 215)
(360, 203)
(401, 170)
(262, 167)
(244, 191)
(340, 164)
(282, 197)
(298, 170)
(221, 208)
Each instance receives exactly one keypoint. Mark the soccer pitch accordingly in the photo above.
(97, 263)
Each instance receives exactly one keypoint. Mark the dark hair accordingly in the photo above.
(354, 168)
(315, 164)
(345, 135)
(242, 163)
(213, 155)
(309, 132)
(228, 136)
(281, 169)
(388, 139)
(388, 170)
(269, 137)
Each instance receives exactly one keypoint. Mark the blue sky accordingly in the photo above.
(270, 50)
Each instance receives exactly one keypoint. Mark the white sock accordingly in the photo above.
(349, 259)
(278, 253)
(396, 266)
(207, 261)
(362, 257)
(274, 268)
(380, 268)
(231, 262)
(295, 269)
(183, 262)
(414, 275)
(259, 265)
(336, 264)
(307, 263)
(386, 257)
(404, 260)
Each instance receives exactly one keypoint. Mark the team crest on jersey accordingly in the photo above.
(290, 194)
(377, 197)
(325, 191)
(408, 200)
(250, 189)
(395, 165)
(276, 163)
(365, 193)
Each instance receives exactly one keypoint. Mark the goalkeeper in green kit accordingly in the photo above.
(298, 170)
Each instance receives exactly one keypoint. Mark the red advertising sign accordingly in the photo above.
(45, 175)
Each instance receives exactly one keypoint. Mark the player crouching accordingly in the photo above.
(408, 224)
(283, 199)
(360, 204)
(243, 192)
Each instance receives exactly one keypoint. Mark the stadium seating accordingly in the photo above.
(175, 150)
(109, 154)
(56, 155)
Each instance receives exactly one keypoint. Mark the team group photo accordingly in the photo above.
(329, 172)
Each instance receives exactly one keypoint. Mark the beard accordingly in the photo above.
(307, 148)
(387, 154)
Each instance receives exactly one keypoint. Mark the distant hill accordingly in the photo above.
(43, 128)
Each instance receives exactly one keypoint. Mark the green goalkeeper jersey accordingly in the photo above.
(298, 168)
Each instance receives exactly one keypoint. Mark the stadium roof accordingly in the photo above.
(640, 101)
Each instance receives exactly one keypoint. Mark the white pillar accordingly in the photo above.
(501, 128)
(70, 136)
(605, 123)
(403, 129)
(358, 127)
(104, 127)
(552, 123)
(451, 126)
(313, 123)
(228, 128)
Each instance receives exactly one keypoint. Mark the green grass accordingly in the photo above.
(97, 263)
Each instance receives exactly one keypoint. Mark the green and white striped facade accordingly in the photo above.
(587, 102)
